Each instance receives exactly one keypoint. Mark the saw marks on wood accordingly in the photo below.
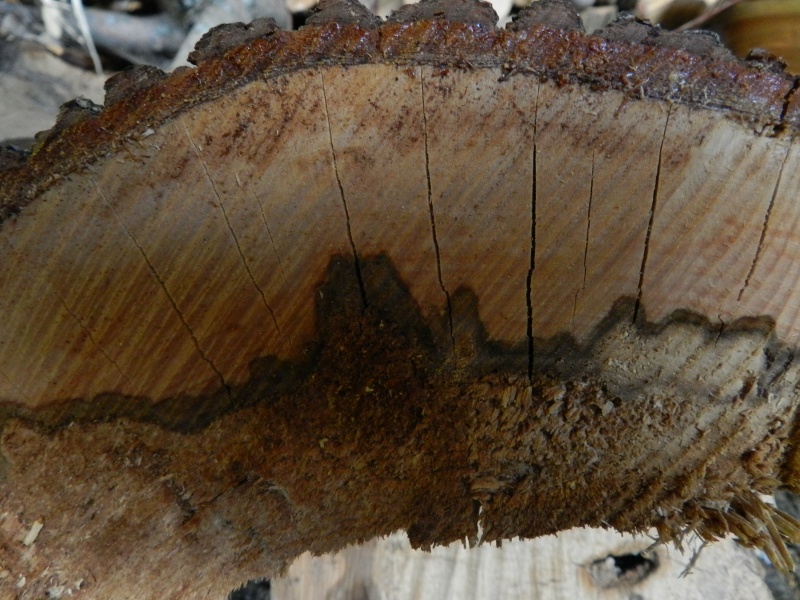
(595, 173)
(670, 373)
(87, 266)
(175, 264)
(715, 184)
(176, 276)
(480, 191)
(379, 145)
(269, 155)
(774, 277)
(31, 346)
(298, 472)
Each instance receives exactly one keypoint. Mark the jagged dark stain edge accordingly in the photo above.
(561, 356)
(544, 41)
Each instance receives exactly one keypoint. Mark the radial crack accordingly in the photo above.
(356, 259)
(651, 218)
(164, 289)
(89, 333)
(431, 211)
(269, 233)
(585, 243)
(230, 227)
(720, 330)
(532, 264)
(79, 321)
(588, 223)
(532, 267)
(765, 225)
(274, 251)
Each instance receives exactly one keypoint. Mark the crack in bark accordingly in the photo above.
(431, 211)
(78, 320)
(362, 290)
(230, 227)
(651, 218)
(765, 225)
(164, 289)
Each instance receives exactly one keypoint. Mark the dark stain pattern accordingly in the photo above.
(385, 425)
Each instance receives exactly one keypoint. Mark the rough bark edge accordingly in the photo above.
(544, 42)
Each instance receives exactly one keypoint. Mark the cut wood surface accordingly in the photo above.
(423, 274)
(576, 564)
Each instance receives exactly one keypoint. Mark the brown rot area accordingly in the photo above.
(390, 425)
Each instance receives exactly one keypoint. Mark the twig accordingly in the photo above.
(83, 25)
(707, 15)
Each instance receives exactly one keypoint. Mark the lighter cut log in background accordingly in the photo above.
(576, 564)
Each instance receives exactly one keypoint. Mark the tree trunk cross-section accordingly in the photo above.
(423, 274)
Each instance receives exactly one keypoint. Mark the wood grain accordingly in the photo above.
(423, 275)
(549, 567)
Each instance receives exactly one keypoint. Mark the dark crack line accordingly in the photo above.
(164, 289)
(531, 268)
(91, 337)
(784, 369)
(269, 233)
(362, 290)
(274, 251)
(720, 330)
(585, 243)
(588, 224)
(532, 264)
(758, 351)
(650, 220)
(80, 322)
(230, 228)
(431, 211)
(765, 225)
(11, 383)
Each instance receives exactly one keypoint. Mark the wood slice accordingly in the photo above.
(423, 274)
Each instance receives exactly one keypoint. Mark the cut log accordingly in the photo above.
(423, 274)
(579, 563)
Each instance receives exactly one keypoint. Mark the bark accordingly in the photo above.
(416, 275)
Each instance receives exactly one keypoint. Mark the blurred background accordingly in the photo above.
(52, 51)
